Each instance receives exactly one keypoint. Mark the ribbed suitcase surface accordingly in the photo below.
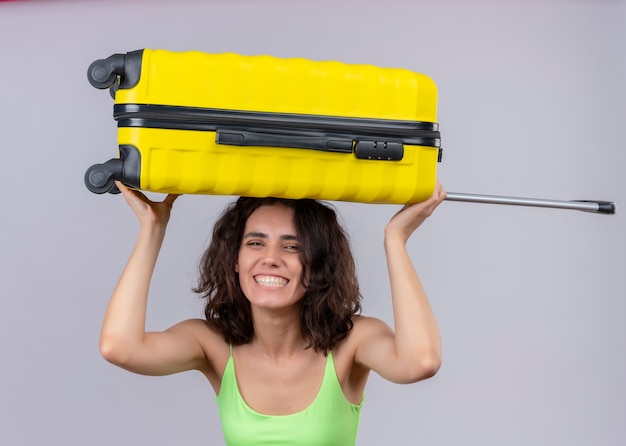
(229, 124)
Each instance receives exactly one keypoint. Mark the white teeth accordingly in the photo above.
(271, 281)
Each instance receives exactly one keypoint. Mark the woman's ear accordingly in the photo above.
(237, 268)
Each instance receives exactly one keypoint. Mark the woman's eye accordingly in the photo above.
(254, 244)
(292, 248)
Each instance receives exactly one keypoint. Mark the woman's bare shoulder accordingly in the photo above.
(365, 325)
(362, 327)
(215, 348)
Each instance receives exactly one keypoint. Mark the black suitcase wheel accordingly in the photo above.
(100, 178)
(103, 73)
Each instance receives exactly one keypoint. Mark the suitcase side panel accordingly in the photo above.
(270, 84)
(215, 169)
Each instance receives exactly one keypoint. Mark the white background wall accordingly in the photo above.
(531, 302)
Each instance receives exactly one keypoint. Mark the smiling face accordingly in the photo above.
(268, 263)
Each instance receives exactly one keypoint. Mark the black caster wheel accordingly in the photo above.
(100, 178)
(103, 73)
(114, 190)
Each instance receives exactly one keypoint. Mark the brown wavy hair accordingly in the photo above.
(332, 294)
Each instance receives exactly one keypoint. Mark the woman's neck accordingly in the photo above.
(278, 333)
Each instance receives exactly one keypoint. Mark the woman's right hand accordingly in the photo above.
(147, 211)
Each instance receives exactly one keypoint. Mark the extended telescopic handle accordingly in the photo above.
(599, 207)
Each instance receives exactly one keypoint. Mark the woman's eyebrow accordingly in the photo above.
(263, 235)
(255, 234)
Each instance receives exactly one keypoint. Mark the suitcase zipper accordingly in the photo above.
(366, 138)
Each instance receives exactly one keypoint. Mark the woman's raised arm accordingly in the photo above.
(412, 350)
(123, 338)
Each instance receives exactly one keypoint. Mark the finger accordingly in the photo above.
(134, 198)
(126, 192)
(429, 205)
(121, 186)
(439, 193)
(171, 198)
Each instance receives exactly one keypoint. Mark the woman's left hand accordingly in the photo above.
(410, 217)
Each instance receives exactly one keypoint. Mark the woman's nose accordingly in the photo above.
(272, 257)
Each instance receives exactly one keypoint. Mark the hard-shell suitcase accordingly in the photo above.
(228, 124)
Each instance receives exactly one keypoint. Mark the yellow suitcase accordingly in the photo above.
(227, 124)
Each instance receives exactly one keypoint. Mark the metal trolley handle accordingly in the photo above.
(599, 207)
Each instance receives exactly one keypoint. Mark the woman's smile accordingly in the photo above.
(270, 281)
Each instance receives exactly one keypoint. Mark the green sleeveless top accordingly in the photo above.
(330, 420)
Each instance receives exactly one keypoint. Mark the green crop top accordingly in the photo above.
(330, 420)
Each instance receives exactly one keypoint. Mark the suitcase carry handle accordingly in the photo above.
(363, 149)
(599, 207)
(246, 138)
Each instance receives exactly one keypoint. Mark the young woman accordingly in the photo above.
(283, 344)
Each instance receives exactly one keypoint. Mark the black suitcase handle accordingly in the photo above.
(372, 149)
(246, 138)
